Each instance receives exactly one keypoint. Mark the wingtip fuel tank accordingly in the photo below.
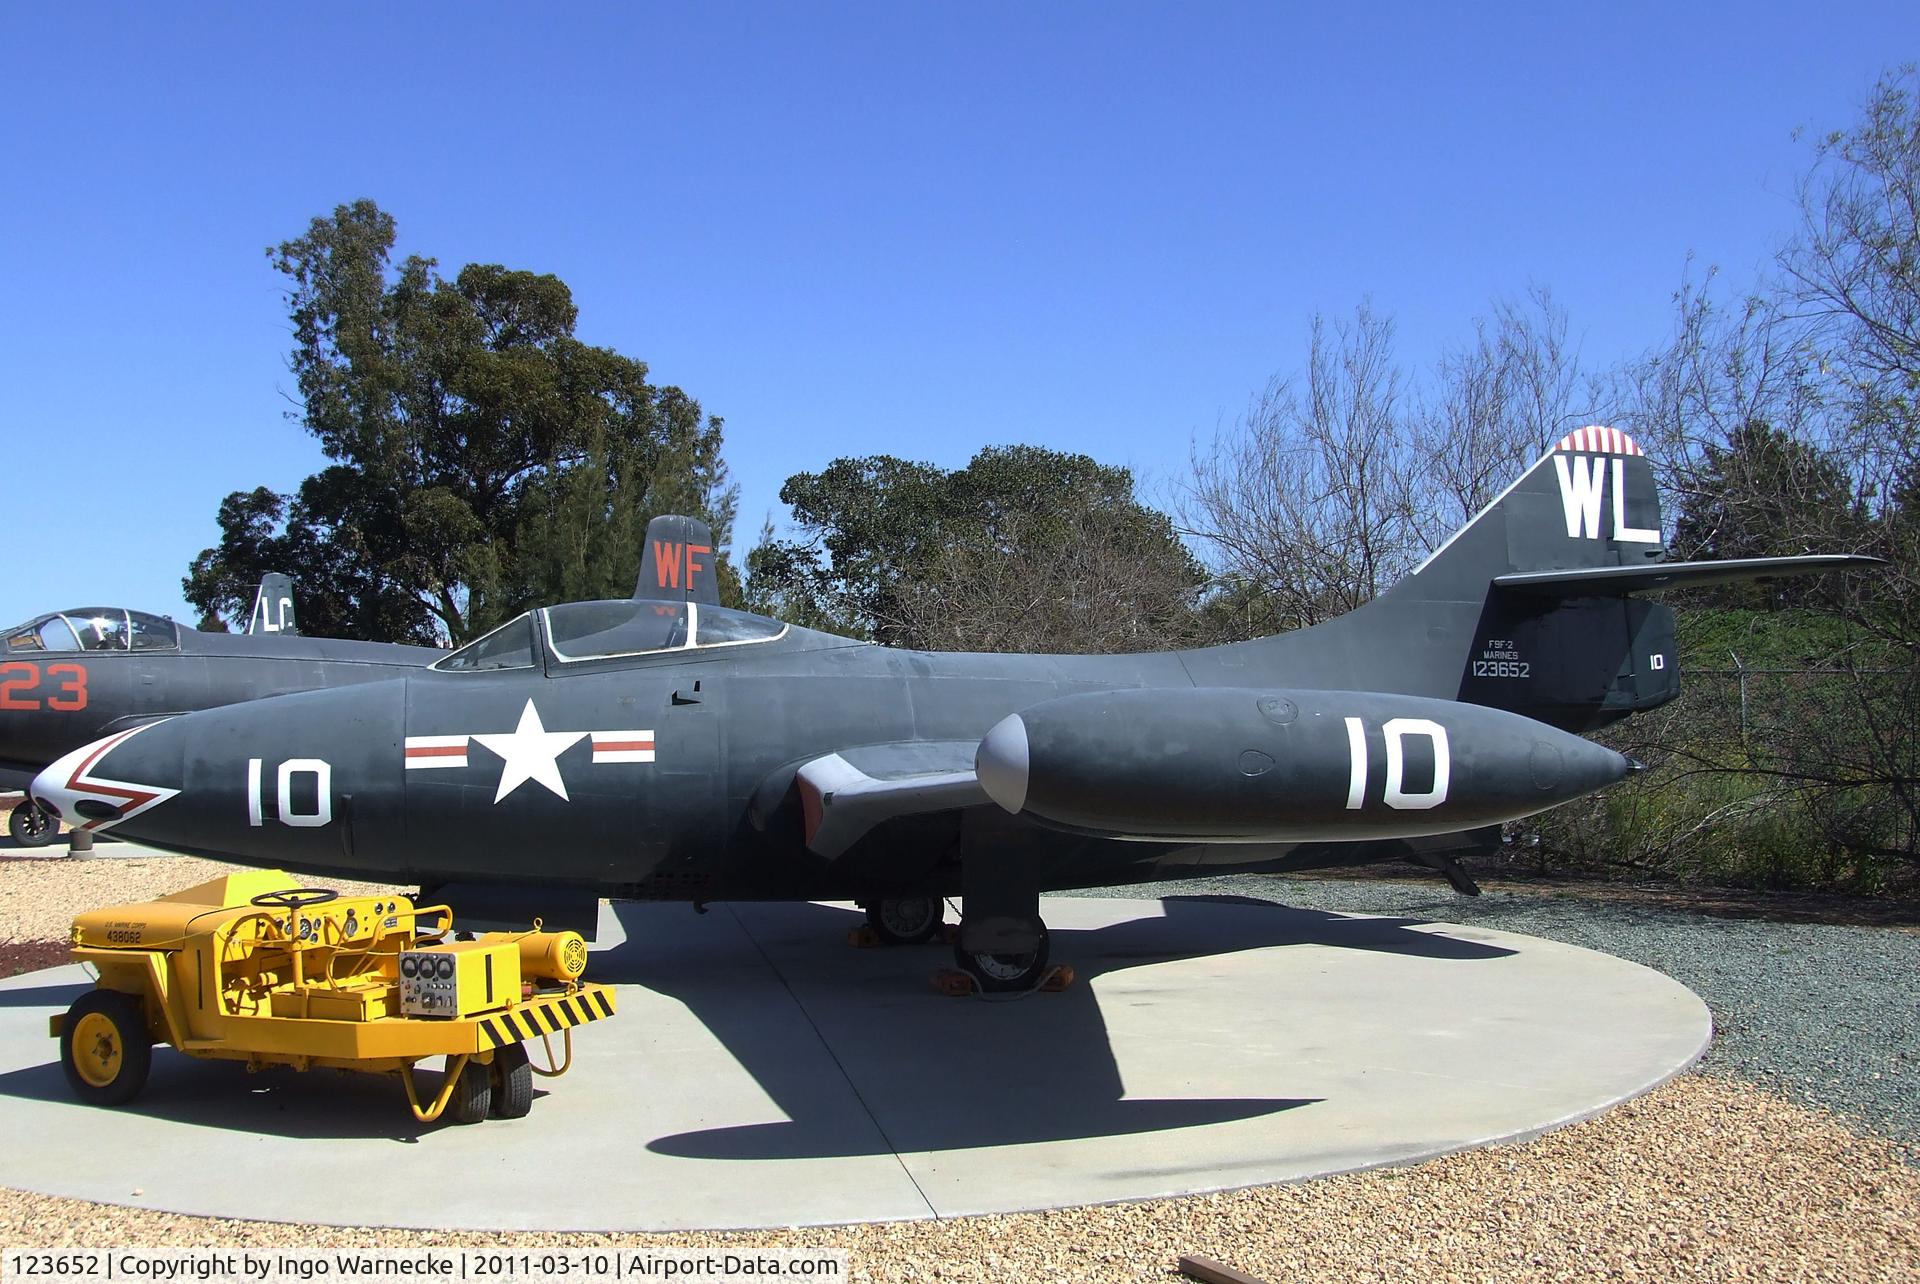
(1241, 765)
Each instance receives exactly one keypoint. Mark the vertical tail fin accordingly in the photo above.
(1577, 659)
(1591, 501)
(677, 565)
(273, 606)
(1529, 607)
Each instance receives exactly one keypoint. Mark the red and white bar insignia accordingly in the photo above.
(622, 746)
(436, 751)
(427, 752)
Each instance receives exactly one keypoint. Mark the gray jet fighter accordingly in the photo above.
(675, 749)
(69, 677)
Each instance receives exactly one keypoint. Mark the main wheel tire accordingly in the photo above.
(105, 1049)
(30, 826)
(1004, 973)
(512, 1082)
(906, 920)
(472, 1096)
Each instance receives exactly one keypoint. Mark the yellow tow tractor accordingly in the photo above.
(248, 968)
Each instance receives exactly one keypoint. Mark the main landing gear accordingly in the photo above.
(1003, 943)
(999, 953)
(906, 920)
(1004, 971)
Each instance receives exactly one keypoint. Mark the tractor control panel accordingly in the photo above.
(458, 979)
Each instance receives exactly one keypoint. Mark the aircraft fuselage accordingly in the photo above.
(673, 775)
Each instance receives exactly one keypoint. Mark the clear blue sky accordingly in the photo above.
(904, 227)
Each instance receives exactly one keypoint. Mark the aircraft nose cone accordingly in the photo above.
(1001, 763)
(79, 788)
(51, 790)
(1591, 767)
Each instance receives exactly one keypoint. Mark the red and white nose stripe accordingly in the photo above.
(85, 798)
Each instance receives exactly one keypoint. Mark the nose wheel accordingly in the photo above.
(30, 825)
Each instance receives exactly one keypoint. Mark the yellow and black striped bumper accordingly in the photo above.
(545, 1015)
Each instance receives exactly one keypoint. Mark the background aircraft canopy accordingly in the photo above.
(95, 628)
(508, 647)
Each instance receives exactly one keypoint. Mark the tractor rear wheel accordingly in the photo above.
(105, 1049)
(512, 1082)
(472, 1096)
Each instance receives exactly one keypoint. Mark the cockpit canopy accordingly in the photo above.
(605, 630)
(95, 628)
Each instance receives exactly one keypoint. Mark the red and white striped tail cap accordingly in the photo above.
(1597, 439)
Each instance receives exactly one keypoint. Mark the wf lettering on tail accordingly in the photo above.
(669, 558)
(676, 562)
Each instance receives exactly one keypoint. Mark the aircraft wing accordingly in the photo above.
(1610, 581)
(844, 795)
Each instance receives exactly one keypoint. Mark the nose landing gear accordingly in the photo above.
(30, 825)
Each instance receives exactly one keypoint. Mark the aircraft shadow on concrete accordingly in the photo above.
(934, 1073)
(924, 1072)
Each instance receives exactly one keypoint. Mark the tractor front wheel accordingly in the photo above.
(105, 1049)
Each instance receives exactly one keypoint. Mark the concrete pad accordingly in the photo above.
(761, 1073)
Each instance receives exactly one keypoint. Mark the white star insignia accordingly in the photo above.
(530, 752)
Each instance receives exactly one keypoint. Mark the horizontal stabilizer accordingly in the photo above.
(843, 796)
(1612, 581)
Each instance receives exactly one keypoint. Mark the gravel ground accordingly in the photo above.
(1827, 1016)
(1703, 1179)
(1707, 1178)
(39, 897)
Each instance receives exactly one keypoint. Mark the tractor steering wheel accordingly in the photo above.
(295, 898)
